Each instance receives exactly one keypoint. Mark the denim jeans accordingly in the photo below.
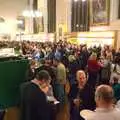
(60, 92)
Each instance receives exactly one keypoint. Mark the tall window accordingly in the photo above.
(51, 16)
(35, 24)
(80, 15)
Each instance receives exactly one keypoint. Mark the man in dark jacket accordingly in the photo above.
(84, 55)
(2, 114)
(81, 96)
(34, 105)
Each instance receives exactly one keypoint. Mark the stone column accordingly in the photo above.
(42, 7)
(69, 13)
(29, 20)
(61, 13)
(114, 6)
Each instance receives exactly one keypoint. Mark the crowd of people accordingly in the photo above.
(63, 73)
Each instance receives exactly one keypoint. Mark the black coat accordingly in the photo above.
(86, 95)
(2, 113)
(84, 57)
(34, 105)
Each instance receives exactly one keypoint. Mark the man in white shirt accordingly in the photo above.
(115, 72)
(105, 108)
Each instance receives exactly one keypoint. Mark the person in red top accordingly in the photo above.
(93, 69)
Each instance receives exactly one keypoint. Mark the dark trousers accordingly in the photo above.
(53, 110)
(92, 80)
(2, 115)
(60, 93)
(75, 113)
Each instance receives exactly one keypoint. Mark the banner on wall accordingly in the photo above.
(97, 38)
(93, 38)
(37, 37)
(73, 40)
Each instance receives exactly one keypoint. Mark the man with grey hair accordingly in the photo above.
(105, 110)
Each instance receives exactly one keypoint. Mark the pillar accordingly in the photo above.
(69, 13)
(42, 7)
(114, 6)
(29, 28)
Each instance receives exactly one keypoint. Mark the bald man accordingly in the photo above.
(105, 110)
(81, 96)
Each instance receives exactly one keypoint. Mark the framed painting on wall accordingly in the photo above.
(99, 12)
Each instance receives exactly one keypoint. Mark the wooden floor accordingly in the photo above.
(64, 113)
(13, 113)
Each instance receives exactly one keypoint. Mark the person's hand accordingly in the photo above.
(45, 89)
(76, 102)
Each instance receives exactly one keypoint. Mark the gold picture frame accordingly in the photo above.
(99, 12)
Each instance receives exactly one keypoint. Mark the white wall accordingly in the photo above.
(63, 16)
(61, 12)
(9, 10)
(42, 7)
